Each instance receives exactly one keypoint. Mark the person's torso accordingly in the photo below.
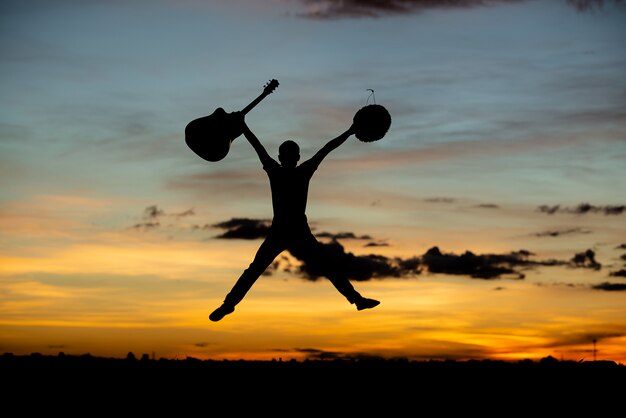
(290, 188)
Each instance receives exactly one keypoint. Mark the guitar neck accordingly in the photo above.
(254, 103)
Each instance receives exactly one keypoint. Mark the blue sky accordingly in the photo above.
(496, 109)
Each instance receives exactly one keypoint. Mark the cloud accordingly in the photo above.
(152, 215)
(591, 5)
(439, 200)
(583, 208)
(248, 228)
(488, 206)
(244, 228)
(619, 273)
(583, 338)
(586, 259)
(610, 287)
(332, 9)
(317, 354)
(332, 260)
(152, 212)
(559, 232)
(480, 266)
(185, 213)
(342, 235)
(146, 225)
(376, 244)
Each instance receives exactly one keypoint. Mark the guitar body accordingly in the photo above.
(210, 136)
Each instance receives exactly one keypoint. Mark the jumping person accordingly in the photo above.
(290, 231)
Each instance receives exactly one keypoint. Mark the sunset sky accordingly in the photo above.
(508, 140)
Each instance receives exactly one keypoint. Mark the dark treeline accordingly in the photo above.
(390, 383)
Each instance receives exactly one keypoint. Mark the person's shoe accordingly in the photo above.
(365, 303)
(221, 312)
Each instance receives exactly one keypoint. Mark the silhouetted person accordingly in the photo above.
(289, 231)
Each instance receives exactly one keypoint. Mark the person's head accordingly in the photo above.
(289, 154)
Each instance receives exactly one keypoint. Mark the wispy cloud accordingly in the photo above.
(583, 208)
(342, 235)
(487, 206)
(593, 5)
(336, 9)
(439, 200)
(153, 214)
(610, 287)
(333, 9)
(376, 244)
(561, 232)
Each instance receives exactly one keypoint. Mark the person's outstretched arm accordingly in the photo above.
(330, 146)
(265, 158)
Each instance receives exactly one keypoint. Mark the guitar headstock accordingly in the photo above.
(270, 86)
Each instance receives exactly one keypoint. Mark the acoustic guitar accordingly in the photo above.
(210, 136)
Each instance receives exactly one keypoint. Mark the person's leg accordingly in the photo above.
(267, 252)
(328, 262)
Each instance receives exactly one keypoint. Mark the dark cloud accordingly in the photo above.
(314, 353)
(619, 273)
(621, 247)
(610, 287)
(153, 214)
(201, 345)
(376, 244)
(332, 9)
(586, 259)
(188, 212)
(317, 354)
(248, 228)
(342, 235)
(559, 232)
(488, 206)
(439, 200)
(583, 208)
(146, 225)
(591, 5)
(331, 260)
(581, 338)
(244, 228)
(203, 227)
(550, 210)
(559, 284)
(480, 266)
(335, 260)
